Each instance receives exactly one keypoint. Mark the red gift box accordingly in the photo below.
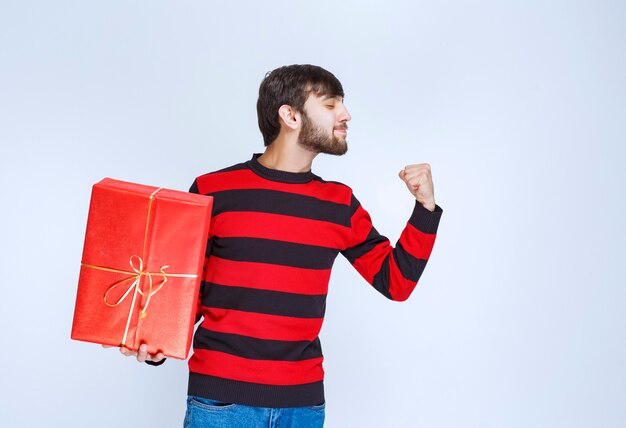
(141, 268)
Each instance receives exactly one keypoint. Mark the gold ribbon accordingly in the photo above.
(137, 272)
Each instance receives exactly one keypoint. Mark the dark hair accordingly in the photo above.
(291, 85)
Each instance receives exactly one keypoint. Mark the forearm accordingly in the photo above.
(394, 271)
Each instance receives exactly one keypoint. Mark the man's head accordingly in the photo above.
(316, 96)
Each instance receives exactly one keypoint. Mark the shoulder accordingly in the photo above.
(235, 167)
(338, 184)
(334, 191)
(203, 182)
(347, 194)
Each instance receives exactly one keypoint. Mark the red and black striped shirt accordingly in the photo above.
(274, 237)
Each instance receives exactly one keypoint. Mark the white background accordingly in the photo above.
(518, 320)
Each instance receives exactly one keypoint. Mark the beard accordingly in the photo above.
(317, 139)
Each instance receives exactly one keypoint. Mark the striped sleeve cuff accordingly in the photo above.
(424, 220)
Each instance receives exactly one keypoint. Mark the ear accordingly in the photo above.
(289, 116)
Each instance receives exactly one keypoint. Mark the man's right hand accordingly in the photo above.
(141, 355)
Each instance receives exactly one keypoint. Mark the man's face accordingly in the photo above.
(324, 125)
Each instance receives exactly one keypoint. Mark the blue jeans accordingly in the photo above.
(205, 413)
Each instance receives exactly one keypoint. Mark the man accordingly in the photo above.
(275, 232)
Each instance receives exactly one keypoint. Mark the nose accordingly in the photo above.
(345, 115)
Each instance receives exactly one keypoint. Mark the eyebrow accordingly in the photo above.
(325, 97)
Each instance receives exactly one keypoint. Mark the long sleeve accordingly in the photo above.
(394, 272)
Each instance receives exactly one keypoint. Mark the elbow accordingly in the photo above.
(393, 285)
(401, 288)
(401, 295)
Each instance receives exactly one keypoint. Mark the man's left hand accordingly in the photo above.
(419, 181)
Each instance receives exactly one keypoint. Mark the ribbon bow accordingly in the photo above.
(139, 272)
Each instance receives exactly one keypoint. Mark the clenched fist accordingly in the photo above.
(419, 181)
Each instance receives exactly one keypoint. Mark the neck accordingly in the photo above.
(287, 156)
